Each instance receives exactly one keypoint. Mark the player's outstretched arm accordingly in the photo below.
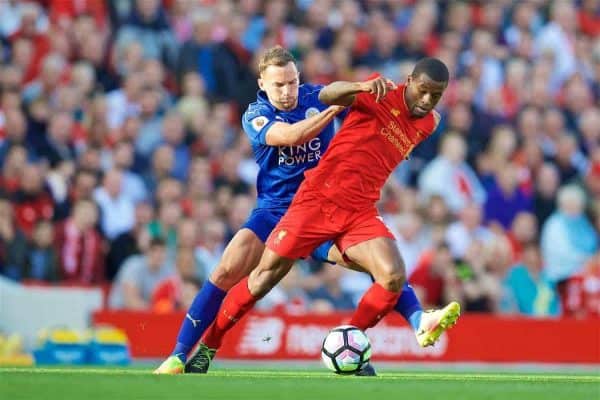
(343, 93)
(283, 134)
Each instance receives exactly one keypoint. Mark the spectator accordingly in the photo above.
(132, 184)
(32, 201)
(330, 295)
(116, 208)
(555, 41)
(193, 101)
(130, 242)
(139, 276)
(42, 259)
(163, 160)
(173, 134)
(568, 238)
(410, 238)
(434, 279)
(505, 198)
(82, 188)
(589, 126)
(13, 244)
(80, 246)
(436, 219)
(527, 290)
(165, 226)
(149, 136)
(217, 64)
(173, 293)
(582, 297)
(237, 213)
(16, 160)
(15, 127)
(58, 181)
(58, 145)
(123, 103)
(479, 287)
(547, 182)
(212, 245)
(523, 231)
(466, 230)
(229, 175)
(449, 176)
(45, 86)
(570, 161)
(148, 25)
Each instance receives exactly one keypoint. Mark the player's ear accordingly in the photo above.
(260, 84)
(409, 79)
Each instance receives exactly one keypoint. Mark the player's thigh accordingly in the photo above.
(270, 270)
(335, 256)
(380, 257)
(239, 258)
(303, 228)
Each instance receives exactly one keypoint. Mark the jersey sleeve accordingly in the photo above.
(256, 122)
(310, 94)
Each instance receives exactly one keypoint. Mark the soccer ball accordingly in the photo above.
(346, 349)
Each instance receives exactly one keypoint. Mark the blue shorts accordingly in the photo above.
(262, 221)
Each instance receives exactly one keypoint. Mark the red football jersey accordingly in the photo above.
(373, 140)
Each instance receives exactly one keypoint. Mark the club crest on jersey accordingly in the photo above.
(259, 122)
(311, 111)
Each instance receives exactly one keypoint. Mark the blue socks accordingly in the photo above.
(205, 306)
(408, 305)
(200, 315)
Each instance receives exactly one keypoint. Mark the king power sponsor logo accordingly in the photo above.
(297, 340)
(300, 154)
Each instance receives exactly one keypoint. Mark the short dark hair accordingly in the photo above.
(276, 55)
(433, 68)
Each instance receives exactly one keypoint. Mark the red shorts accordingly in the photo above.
(313, 219)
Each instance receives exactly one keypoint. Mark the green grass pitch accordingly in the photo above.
(244, 384)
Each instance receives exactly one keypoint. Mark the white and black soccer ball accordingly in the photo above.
(346, 349)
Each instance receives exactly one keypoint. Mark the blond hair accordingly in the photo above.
(277, 56)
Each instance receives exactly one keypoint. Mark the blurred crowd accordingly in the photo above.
(124, 164)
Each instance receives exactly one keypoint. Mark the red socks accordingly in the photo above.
(236, 304)
(373, 306)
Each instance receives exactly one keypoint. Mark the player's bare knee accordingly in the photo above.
(225, 276)
(393, 279)
(263, 281)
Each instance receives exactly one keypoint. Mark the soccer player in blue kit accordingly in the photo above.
(289, 129)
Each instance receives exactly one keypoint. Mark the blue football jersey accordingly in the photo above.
(282, 167)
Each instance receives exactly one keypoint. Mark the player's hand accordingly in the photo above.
(379, 87)
(337, 109)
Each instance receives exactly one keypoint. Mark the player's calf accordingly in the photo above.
(270, 271)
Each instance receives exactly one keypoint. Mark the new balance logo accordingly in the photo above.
(195, 322)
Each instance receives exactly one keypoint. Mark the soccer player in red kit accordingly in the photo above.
(337, 199)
